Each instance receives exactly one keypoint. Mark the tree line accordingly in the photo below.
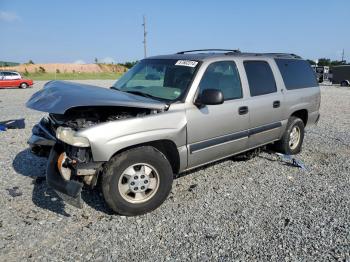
(327, 62)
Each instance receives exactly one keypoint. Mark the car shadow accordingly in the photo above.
(27, 164)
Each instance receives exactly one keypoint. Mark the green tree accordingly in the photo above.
(96, 60)
(336, 62)
(311, 62)
(329, 62)
(30, 62)
(324, 62)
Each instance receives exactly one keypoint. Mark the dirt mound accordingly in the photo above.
(67, 68)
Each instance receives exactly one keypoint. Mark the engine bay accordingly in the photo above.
(83, 117)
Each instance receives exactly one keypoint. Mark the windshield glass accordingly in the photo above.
(164, 79)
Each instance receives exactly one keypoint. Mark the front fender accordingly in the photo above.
(108, 138)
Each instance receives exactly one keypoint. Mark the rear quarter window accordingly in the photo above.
(296, 74)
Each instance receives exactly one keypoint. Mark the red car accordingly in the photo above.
(13, 80)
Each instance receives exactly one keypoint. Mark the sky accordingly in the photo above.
(67, 31)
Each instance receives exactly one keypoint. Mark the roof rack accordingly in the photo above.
(228, 51)
(282, 54)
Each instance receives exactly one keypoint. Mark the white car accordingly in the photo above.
(10, 75)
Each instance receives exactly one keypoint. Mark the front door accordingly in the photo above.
(216, 131)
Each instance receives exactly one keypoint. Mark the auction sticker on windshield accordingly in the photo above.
(188, 63)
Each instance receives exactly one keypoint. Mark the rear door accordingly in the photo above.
(216, 131)
(265, 103)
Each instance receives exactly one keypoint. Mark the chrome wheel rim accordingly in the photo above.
(138, 183)
(23, 85)
(294, 137)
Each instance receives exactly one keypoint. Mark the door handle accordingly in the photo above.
(276, 104)
(243, 110)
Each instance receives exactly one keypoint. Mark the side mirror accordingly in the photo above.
(210, 97)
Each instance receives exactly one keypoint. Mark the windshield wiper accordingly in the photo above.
(134, 92)
(141, 94)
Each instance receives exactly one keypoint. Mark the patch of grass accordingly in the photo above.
(72, 76)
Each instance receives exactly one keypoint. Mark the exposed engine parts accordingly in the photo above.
(83, 117)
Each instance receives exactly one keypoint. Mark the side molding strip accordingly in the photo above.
(231, 137)
(218, 140)
(264, 128)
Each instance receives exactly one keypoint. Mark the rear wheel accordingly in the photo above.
(344, 83)
(293, 137)
(23, 85)
(137, 181)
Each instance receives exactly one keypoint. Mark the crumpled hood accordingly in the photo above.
(58, 96)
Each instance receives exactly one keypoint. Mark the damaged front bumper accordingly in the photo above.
(68, 190)
(68, 167)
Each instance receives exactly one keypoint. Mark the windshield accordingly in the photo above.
(164, 79)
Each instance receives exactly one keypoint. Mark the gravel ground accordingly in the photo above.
(259, 209)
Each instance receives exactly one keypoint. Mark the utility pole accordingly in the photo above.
(342, 56)
(144, 36)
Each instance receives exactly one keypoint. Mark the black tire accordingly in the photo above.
(283, 145)
(23, 85)
(344, 83)
(118, 164)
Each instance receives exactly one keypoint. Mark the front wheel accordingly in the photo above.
(292, 138)
(23, 85)
(137, 181)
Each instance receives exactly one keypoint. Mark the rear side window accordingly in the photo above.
(296, 73)
(260, 78)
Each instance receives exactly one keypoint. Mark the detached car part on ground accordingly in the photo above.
(167, 115)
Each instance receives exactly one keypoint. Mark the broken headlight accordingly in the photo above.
(68, 135)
